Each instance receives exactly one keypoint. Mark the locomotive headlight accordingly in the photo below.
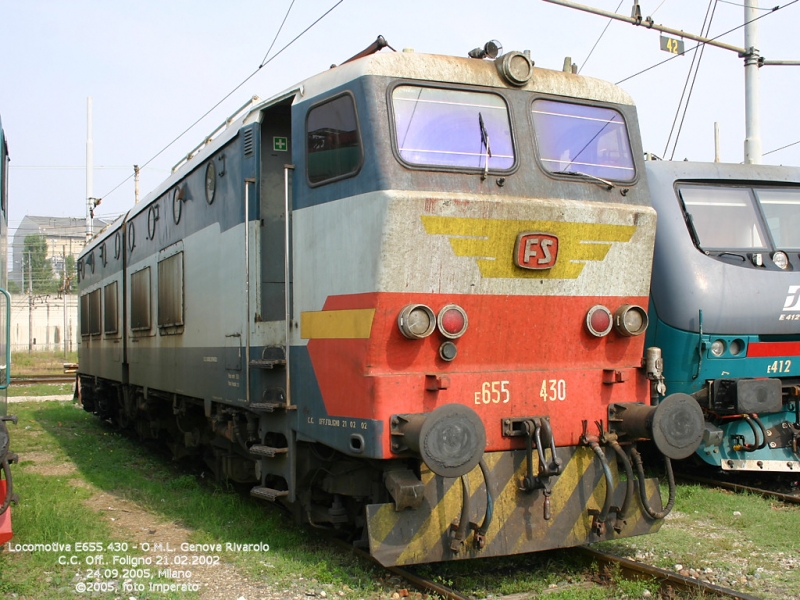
(718, 347)
(598, 320)
(452, 321)
(416, 321)
(630, 320)
(736, 347)
(781, 260)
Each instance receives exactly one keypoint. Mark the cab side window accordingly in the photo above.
(333, 143)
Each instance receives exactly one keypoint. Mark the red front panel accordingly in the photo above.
(522, 356)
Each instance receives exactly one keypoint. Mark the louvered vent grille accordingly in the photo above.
(248, 142)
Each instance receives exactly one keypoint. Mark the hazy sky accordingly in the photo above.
(153, 67)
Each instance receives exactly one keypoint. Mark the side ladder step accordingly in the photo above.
(268, 493)
(267, 451)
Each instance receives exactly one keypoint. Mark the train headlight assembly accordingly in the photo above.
(781, 260)
(452, 321)
(599, 321)
(718, 347)
(416, 321)
(630, 320)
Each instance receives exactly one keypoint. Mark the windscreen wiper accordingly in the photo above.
(607, 184)
(485, 143)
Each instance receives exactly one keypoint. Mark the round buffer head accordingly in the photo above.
(677, 426)
(452, 440)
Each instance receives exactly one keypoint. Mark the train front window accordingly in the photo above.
(782, 213)
(723, 218)
(582, 139)
(436, 127)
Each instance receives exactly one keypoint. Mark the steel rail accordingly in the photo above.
(42, 379)
(630, 569)
(422, 584)
(738, 487)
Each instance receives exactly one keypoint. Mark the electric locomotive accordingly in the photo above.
(725, 299)
(7, 457)
(405, 299)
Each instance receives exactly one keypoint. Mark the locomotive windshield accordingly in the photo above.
(582, 139)
(733, 218)
(452, 128)
(782, 214)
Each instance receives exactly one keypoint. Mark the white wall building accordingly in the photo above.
(65, 236)
(54, 323)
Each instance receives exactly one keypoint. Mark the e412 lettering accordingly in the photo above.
(779, 366)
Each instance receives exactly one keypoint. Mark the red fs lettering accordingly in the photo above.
(535, 250)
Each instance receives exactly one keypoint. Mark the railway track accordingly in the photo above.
(668, 581)
(67, 378)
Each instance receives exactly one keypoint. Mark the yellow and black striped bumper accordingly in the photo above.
(519, 525)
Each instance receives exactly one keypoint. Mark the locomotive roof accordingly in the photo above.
(669, 171)
(469, 71)
(403, 65)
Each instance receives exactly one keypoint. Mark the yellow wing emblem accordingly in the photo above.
(491, 242)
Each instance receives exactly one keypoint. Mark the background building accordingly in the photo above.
(47, 319)
(44, 323)
(65, 236)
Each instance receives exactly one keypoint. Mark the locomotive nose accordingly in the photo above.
(451, 439)
(675, 425)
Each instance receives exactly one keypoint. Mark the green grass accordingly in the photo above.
(17, 390)
(731, 533)
(40, 363)
(704, 529)
(52, 509)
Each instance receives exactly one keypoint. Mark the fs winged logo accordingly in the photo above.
(528, 249)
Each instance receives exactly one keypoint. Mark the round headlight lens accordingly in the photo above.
(416, 321)
(598, 320)
(452, 321)
(781, 260)
(630, 320)
(718, 347)
(736, 347)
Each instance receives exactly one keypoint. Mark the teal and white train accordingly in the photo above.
(725, 305)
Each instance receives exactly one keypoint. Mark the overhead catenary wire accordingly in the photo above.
(691, 75)
(229, 94)
(275, 39)
(742, 5)
(599, 38)
(674, 56)
(781, 148)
